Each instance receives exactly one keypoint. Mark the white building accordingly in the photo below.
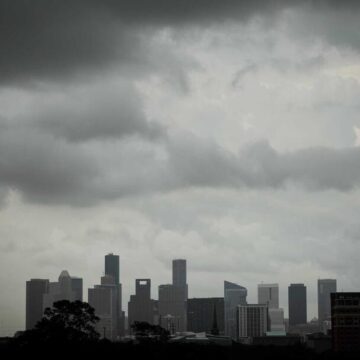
(252, 320)
(269, 294)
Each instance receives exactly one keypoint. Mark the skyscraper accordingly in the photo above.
(200, 314)
(173, 299)
(269, 294)
(179, 272)
(66, 288)
(325, 288)
(35, 290)
(112, 266)
(234, 295)
(345, 321)
(252, 320)
(297, 304)
(141, 306)
(104, 299)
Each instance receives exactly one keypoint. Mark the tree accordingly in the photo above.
(65, 322)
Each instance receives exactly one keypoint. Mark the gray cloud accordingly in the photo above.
(53, 39)
(44, 169)
(104, 113)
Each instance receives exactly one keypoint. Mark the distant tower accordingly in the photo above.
(234, 295)
(35, 290)
(269, 294)
(141, 306)
(325, 288)
(179, 272)
(112, 267)
(297, 304)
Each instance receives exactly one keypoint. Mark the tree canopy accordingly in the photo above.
(65, 322)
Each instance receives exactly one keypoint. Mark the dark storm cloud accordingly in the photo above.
(53, 38)
(47, 170)
(110, 113)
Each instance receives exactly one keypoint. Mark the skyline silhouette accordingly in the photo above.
(226, 133)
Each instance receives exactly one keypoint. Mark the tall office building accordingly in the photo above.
(179, 272)
(173, 299)
(345, 319)
(35, 290)
(141, 306)
(66, 288)
(234, 295)
(104, 299)
(269, 294)
(252, 320)
(297, 304)
(325, 288)
(112, 267)
(201, 312)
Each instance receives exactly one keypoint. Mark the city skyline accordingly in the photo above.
(226, 133)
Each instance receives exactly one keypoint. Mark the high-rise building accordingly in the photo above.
(67, 288)
(269, 294)
(179, 272)
(112, 267)
(201, 312)
(345, 321)
(234, 295)
(104, 299)
(325, 288)
(297, 304)
(276, 319)
(173, 299)
(141, 306)
(252, 320)
(35, 290)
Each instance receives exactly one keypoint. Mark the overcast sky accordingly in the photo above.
(224, 132)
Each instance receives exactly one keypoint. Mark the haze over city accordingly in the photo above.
(225, 133)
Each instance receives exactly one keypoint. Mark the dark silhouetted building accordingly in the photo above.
(141, 306)
(35, 290)
(297, 304)
(112, 267)
(200, 314)
(345, 319)
(234, 295)
(173, 299)
(325, 288)
(179, 272)
(104, 299)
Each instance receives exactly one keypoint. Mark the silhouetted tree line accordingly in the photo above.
(68, 330)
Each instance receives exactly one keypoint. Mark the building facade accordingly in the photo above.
(269, 294)
(252, 320)
(297, 304)
(234, 295)
(141, 306)
(345, 319)
(173, 297)
(201, 312)
(66, 288)
(325, 288)
(35, 291)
